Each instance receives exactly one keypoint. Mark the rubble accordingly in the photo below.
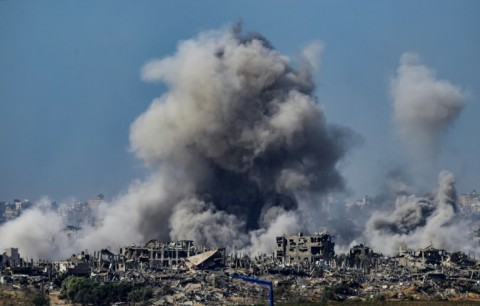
(182, 273)
(306, 249)
(206, 260)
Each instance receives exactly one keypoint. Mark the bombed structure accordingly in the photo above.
(305, 249)
(421, 258)
(363, 256)
(304, 269)
(156, 254)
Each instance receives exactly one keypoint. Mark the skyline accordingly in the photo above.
(70, 84)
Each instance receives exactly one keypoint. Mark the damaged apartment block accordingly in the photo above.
(305, 249)
(156, 254)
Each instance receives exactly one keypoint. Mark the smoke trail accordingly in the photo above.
(235, 138)
(424, 108)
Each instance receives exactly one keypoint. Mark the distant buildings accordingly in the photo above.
(74, 214)
(100, 199)
(158, 254)
(469, 203)
(10, 211)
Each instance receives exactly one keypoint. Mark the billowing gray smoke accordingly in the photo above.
(424, 107)
(418, 221)
(241, 126)
(240, 152)
(235, 138)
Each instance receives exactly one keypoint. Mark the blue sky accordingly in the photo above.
(70, 85)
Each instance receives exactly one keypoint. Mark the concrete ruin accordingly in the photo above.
(156, 254)
(207, 260)
(78, 265)
(304, 269)
(421, 258)
(10, 258)
(305, 249)
(363, 256)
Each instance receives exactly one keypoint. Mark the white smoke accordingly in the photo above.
(419, 221)
(199, 221)
(277, 222)
(424, 108)
(38, 232)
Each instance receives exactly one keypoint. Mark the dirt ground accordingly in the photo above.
(20, 297)
(14, 297)
(55, 300)
(394, 303)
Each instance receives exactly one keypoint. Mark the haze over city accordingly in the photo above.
(246, 125)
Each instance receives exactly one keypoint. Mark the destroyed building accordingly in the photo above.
(301, 271)
(305, 249)
(156, 254)
(207, 260)
(78, 265)
(104, 261)
(362, 256)
(421, 258)
(11, 258)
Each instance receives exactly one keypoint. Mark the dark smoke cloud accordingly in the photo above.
(235, 138)
(242, 124)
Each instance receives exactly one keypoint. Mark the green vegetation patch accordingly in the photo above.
(85, 291)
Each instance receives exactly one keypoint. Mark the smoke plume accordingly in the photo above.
(242, 126)
(418, 221)
(37, 233)
(424, 107)
(235, 138)
(240, 151)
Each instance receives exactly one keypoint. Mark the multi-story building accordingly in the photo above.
(157, 254)
(11, 212)
(21, 204)
(308, 249)
(470, 202)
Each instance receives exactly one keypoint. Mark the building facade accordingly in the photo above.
(306, 249)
